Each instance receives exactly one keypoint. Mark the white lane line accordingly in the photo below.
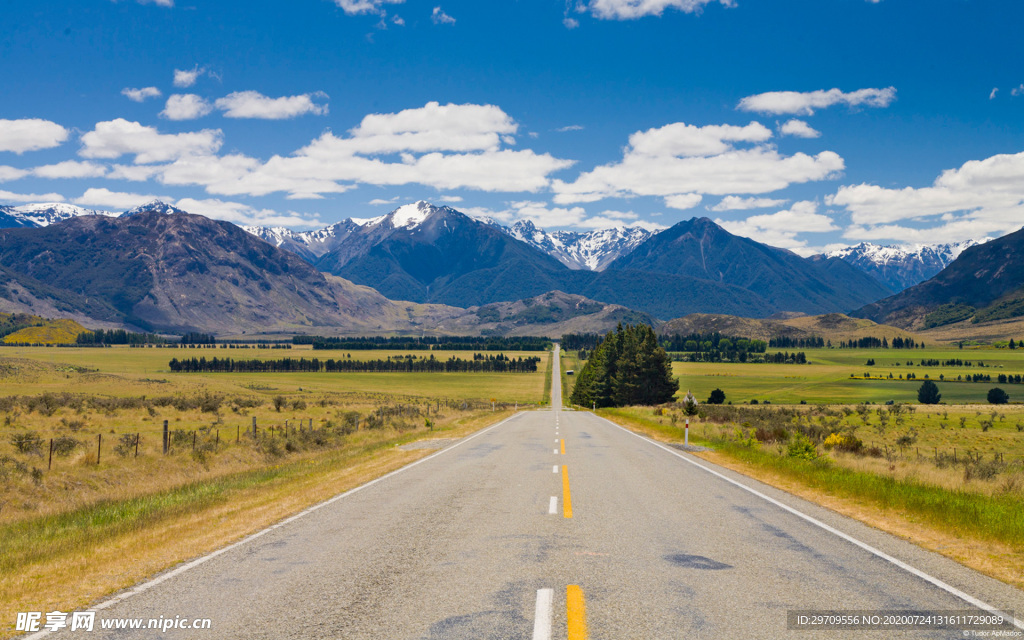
(553, 505)
(146, 586)
(818, 523)
(556, 452)
(542, 614)
(554, 469)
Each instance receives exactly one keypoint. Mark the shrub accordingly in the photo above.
(298, 405)
(65, 445)
(717, 397)
(928, 393)
(27, 442)
(843, 442)
(279, 403)
(125, 445)
(802, 447)
(997, 396)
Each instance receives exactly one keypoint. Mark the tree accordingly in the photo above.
(717, 397)
(627, 367)
(997, 396)
(928, 393)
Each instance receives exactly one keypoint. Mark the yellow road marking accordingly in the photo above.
(563, 446)
(566, 498)
(577, 612)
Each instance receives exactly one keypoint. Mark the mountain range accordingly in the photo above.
(984, 283)
(144, 267)
(901, 266)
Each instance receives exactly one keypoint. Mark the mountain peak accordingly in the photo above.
(412, 215)
(157, 206)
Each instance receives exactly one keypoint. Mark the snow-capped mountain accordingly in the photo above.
(310, 245)
(593, 250)
(46, 213)
(901, 266)
(156, 206)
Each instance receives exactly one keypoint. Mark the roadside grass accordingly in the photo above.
(546, 400)
(976, 522)
(570, 362)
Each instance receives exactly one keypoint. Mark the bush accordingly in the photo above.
(279, 403)
(802, 447)
(27, 442)
(997, 396)
(65, 445)
(928, 393)
(843, 442)
(717, 397)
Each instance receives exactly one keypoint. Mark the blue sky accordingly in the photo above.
(804, 124)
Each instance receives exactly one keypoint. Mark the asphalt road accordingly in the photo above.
(476, 542)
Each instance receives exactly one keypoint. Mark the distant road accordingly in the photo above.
(475, 543)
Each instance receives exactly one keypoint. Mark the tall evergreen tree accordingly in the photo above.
(627, 367)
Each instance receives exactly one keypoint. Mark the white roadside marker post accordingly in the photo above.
(686, 434)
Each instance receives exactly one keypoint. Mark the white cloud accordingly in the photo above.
(683, 159)
(795, 102)
(134, 173)
(433, 127)
(735, 203)
(683, 200)
(185, 106)
(8, 173)
(140, 95)
(570, 23)
(30, 134)
(380, 201)
(244, 214)
(8, 196)
(116, 200)
(355, 7)
(992, 95)
(799, 128)
(159, 3)
(632, 9)
(184, 78)
(252, 104)
(70, 169)
(115, 138)
(438, 16)
(571, 127)
(982, 197)
(450, 198)
(781, 229)
(1016, 91)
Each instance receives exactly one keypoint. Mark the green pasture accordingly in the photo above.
(124, 371)
(826, 379)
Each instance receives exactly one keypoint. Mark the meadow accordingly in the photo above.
(827, 376)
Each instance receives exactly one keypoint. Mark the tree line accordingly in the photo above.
(479, 364)
(449, 343)
(627, 367)
(117, 336)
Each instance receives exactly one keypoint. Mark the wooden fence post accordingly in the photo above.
(167, 440)
(99, 446)
(238, 432)
(194, 440)
(217, 444)
(50, 464)
(137, 436)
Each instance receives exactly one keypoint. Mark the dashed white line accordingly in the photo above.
(556, 452)
(542, 614)
(553, 505)
(554, 469)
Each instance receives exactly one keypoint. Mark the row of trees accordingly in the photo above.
(628, 367)
(449, 343)
(479, 364)
(117, 336)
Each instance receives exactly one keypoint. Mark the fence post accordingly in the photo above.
(238, 432)
(217, 445)
(99, 446)
(137, 436)
(194, 440)
(50, 464)
(167, 440)
(254, 427)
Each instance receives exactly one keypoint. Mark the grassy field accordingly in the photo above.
(827, 378)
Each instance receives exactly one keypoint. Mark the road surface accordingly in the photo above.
(554, 524)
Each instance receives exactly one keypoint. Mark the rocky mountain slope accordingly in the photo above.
(901, 266)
